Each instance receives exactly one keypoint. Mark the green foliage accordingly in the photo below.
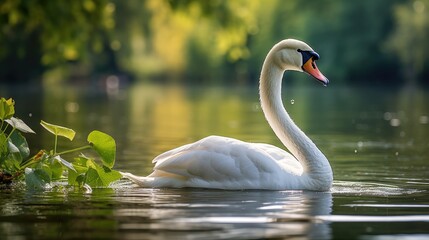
(13, 146)
(40, 34)
(99, 175)
(105, 146)
(409, 41)
(211, 40)
(49, 167)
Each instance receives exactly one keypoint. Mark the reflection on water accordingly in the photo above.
(225, 214)
(376, 140)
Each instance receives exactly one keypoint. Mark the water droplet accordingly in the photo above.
(356, 151)
(30, 114)
(292, 101)
(396, 153)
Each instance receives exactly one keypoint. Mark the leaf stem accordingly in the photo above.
(55, 144)
(74, 150)
(26, 165)
(36, 158)
(10, 134)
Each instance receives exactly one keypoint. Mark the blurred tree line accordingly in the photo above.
(210, 41)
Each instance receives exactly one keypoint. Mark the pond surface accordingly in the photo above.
(375, 138)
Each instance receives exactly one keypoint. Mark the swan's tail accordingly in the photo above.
(157, 179)
(141, 181)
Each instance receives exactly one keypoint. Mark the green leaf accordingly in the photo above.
(80, 179)
(105, 146)
(59, 130)
(36, 178)
(101, 176)
(80, 166)
(4, 151)
(93, 179)
(56, 169)
(7, 108)
(9, 163)
(21, 144)
(16, 151)
(81, 163)
(19, 124)
(108, 175)
(89, 172)
(71, 177)
(47, 168)
(14, 158)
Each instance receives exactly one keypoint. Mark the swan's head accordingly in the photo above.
(291, 54)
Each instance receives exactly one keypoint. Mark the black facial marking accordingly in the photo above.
(306, 55)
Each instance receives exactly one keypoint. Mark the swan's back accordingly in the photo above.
(225, 163)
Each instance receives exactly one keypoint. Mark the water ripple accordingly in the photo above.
(356, 218)
(369, 189)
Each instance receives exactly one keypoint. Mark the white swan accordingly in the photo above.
(226, 163)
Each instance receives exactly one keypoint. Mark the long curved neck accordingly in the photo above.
(305, 151)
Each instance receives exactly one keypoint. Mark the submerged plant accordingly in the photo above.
(49, 166)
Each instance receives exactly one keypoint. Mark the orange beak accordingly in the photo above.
(311, 68)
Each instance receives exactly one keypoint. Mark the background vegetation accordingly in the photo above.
(209, 41)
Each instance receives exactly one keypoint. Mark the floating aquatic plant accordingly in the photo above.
(48, 166)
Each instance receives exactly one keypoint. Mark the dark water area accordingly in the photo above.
(375, 138)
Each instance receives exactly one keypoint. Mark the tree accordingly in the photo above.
(36, 35)
(409, 40)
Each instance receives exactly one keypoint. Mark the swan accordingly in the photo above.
(226, 163)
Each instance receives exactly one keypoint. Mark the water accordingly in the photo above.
(375, 138)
